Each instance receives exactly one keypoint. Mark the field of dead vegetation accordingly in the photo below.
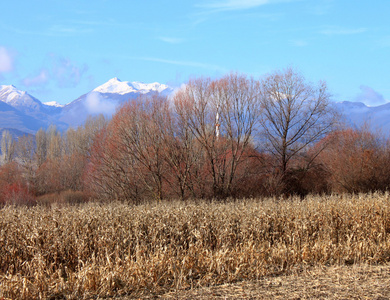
(97, 250)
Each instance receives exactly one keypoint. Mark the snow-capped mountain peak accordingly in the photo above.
(9, 93)
(116, 86)
(53, 103)
(20, 110)
(149, 87)
(19, 99)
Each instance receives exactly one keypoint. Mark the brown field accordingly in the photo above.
(320, 282)
(112, 250)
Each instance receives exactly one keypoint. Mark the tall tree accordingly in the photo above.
(222, 115)
(41, 146)
(183, 153)
(296, 114)
(7, 147)
(239, 108)
(54, 143)
(127, 160)
(137, 126)
(25, 150)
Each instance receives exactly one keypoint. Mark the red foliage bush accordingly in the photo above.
(14, 188)
(17, 194)
(356, 161)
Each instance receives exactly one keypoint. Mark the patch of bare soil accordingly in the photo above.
(333, 282)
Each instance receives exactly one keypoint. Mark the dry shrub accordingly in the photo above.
(17, 194)
(14, 189)
(101, 250)
(357, 161)
(63, 198)
(73, 197)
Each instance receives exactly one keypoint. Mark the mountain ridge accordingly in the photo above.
(25, 113)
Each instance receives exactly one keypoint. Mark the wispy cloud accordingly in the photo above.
(170, 40)
(183, 63)
(342, 31)
(225, 5)
(95, 104)
(6, 60)
(58, 70)
(234, 4)
(208, 9)
(66, 72)
(369, 96)
(55, 30)
(66, 30)
(320, 7)
(40, 79)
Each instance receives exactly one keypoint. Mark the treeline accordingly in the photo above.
(214, 138)
(47, 167)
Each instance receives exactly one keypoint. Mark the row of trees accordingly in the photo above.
(228, 137)
(46, 164)
(211, 138)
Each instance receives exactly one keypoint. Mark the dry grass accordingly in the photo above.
(102, 250)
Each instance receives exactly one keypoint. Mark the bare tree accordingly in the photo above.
(222, 115)
(183, 153)
(296, 114)
(54, 143)
(25, 149)
(239, 109)
(92, 126)
(79, 140)
(127, 160)
(7, 147)
(41, 146)
(138, 127)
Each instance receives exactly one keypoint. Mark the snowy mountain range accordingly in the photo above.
(23, 113)
(106, 98)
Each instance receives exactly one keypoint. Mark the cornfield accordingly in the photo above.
(114, 249)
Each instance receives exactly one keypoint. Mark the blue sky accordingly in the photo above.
(59, 50)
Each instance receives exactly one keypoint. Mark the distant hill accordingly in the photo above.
(23, 112)
(14, 132)
(357, 115)
(106, 98)
(26, 114)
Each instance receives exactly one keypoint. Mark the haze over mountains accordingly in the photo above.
(23, 113)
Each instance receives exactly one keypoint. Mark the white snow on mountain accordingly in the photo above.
(9, 93)
(145, 88)
(19, 99)
(29, 114)
(53, 103)
(116, 86)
